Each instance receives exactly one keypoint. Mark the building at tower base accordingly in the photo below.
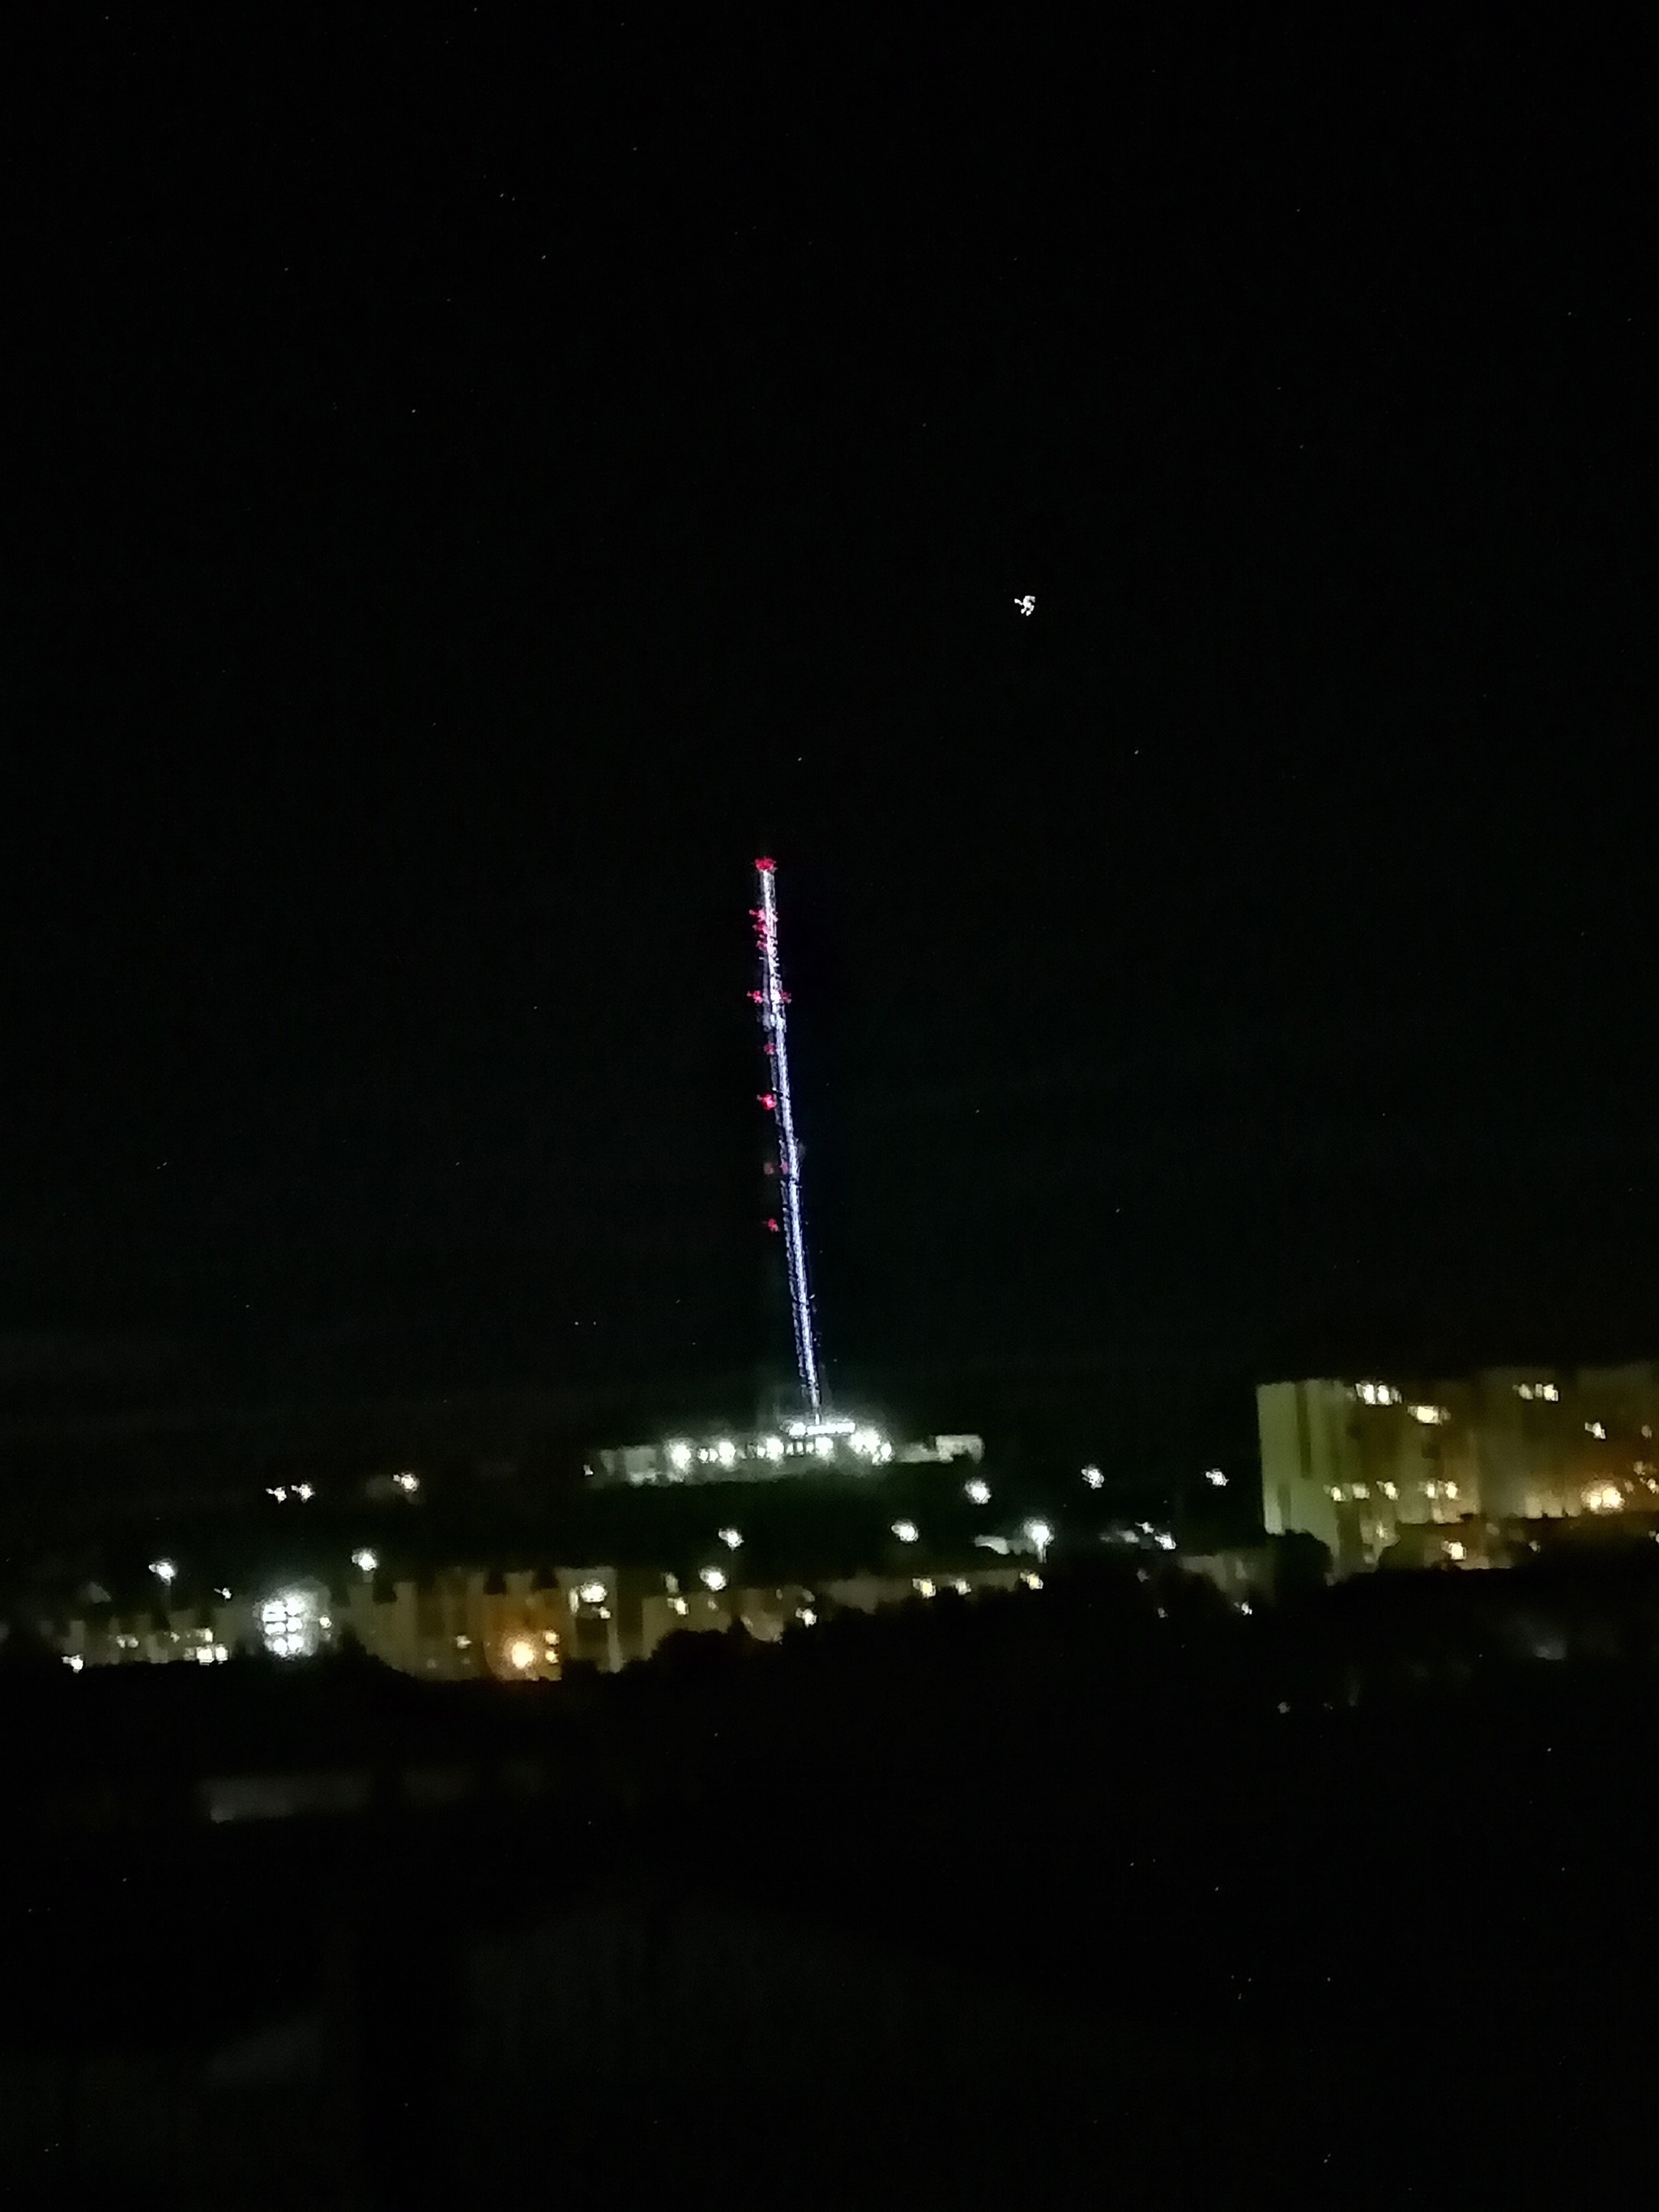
(826, 1444)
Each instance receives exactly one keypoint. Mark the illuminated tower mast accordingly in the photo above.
(771, 999)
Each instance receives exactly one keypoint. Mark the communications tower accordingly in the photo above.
(773, 1000)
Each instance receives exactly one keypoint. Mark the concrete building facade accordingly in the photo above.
(1363, 1465)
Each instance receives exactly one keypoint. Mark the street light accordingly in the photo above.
(1039, 1533)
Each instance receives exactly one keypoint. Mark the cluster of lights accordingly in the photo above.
(1375, 1394)
(283, 1491)
(1215, 1477)
(1604, 1498)
(290, 1623)
(1547, 1392)
(1094, 1478)
(164, 1571)
(814, 1439)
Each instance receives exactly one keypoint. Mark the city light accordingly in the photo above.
(1215, 1477)
(304, 1492)
(1165, 1542)
(772, 1447)
(906, 1531)
(713, 1579)
(679, 1456)
(73, 1661)
(726, 1452)
(806, 1617)
(276, 1492)
(823, 1446)
(1093, 1476)
(591, 1593)
(1454, 1550)
(679, 1606)
(289, 1624)
(978, 1490)
(1041, 1535)
(1032, 1582)
(409, 1484)
(732, 1538)
(923, 1585)
(521, 1654)
(163, 1570)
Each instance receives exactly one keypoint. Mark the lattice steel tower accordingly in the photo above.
(772, 1000)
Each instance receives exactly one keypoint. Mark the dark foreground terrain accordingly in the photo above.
(1105, 1892)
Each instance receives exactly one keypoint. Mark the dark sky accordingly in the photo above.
(476, 476)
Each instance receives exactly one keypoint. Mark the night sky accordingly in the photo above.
(476, 477)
